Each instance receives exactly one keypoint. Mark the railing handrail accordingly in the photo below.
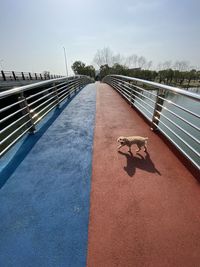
(164, 118)
(24, 88)
(160, 86)
(8, 75)
(23, 108)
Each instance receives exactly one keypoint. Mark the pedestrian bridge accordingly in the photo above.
(69, 198)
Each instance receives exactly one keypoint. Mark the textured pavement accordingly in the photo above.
(45, 201)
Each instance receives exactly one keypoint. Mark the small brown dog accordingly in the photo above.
(133, 140)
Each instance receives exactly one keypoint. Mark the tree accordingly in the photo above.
(103, 56)
(141, 62)
(104, 70)
(131, 61)
(191, 75)
(78, 67)
(89, 71)
(181, 65)
(117, 59)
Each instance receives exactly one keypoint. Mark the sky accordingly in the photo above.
(34, 32)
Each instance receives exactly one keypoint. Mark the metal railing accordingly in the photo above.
(179, 120)
(23, 107)
(24, 76)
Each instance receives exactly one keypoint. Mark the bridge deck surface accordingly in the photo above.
(144, 207)
(141, 209)
(45, 191)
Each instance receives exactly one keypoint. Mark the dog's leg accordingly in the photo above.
(139, 148)
(120, 146)
(145, 146)
(129, 150)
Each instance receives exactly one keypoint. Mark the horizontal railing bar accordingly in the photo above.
(10, 106)
(170, 112)
(180, 107)
(65, 94)
(13, 142)
(61, 94)
(127, 96)
(136, 86)
(50, 88)
(162, 86)
(179, 127)
(71, 85)
(178, 147)
(11, 115)
(38, 113)
(13, 123)
(42, 104)
(39, 93)
(62, 97)
(33, 86)
(144, 103)
(145, 115)
(169, 101)
(140, 105)
(135, 96)
(39, 99)
(11, 134)
(180, 138)
(122, 89)
(65, 86)
(45, 112)
(181, 118)
(147, 91)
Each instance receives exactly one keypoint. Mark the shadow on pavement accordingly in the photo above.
(144, 163)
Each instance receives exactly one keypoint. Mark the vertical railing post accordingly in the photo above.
(41, 77)
(30, 76)
(158, 108)
(36, 76)
(23, 77)
(3, 75)
(25, 111)
(13, 73)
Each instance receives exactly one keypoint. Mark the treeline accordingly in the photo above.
(167, 76)
(179, 73)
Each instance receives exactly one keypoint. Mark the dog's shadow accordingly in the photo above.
(144, 163)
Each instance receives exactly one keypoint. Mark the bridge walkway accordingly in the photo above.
(68, 198)
(45, 189)
(144, 207)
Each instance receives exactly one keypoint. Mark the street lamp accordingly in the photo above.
(65, 61)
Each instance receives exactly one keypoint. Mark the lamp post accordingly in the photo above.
(65, 61)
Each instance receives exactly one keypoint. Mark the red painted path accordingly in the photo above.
(145, 208)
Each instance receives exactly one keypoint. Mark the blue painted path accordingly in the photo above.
(44, 201)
